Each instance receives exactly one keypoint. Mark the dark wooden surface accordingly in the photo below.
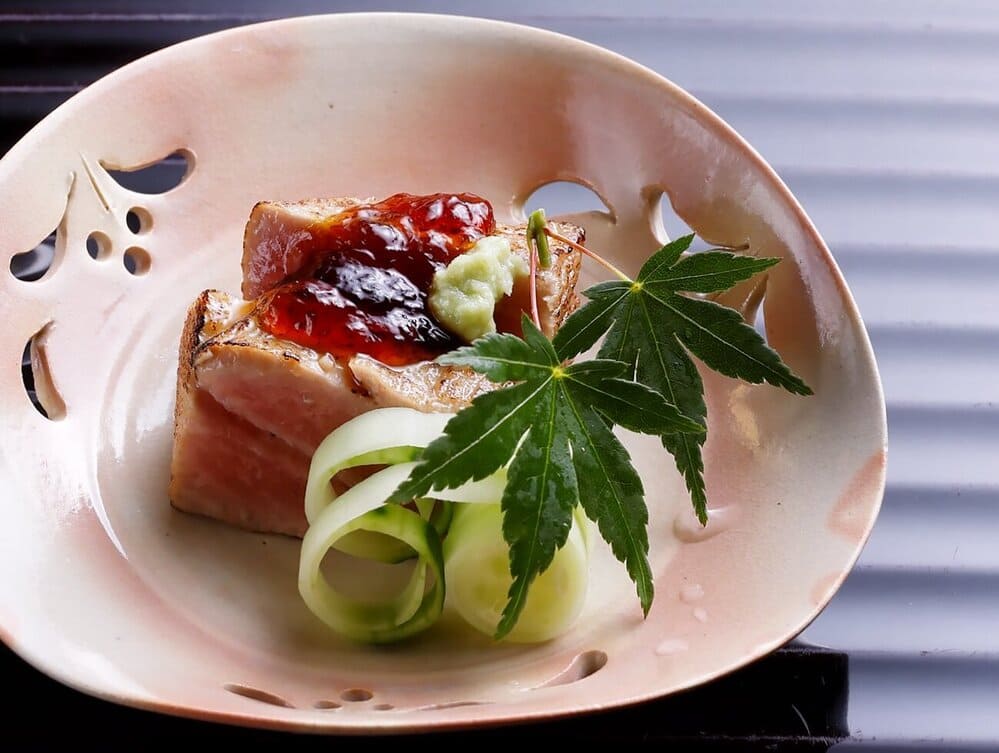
(793, 700)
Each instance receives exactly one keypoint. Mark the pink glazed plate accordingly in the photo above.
(108, 589)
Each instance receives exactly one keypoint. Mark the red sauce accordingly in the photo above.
(366, 289)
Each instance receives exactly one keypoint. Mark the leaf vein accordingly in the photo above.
(496, 426)
(769, 369)
(633, 544)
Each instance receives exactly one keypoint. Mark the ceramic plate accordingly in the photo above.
(108, 589)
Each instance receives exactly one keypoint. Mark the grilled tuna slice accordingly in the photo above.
(252, 408)
(276, 239)
(223, 465)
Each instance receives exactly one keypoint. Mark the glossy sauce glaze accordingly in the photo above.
(367, 286)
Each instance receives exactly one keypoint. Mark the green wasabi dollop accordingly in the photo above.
(464, 294)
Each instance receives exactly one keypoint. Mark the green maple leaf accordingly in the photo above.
(651, 326)
(553, 428)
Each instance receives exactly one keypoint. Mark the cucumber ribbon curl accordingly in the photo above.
(473, 555)
(358, 522)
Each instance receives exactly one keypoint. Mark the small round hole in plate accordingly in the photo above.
(327, 705)
(582, 666)
(256, 694)
(356, 695)
(139, 220)
(136, 260)
(450, 705)
(98, 245)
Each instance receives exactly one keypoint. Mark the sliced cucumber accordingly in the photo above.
(362, 508)
(379, 437)
(384, 437)
(477, 566)
(359, 522)
(381, 548)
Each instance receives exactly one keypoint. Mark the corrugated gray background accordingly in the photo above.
(883, 118)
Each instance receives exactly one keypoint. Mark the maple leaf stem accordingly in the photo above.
(532, 252)
(587, 252)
